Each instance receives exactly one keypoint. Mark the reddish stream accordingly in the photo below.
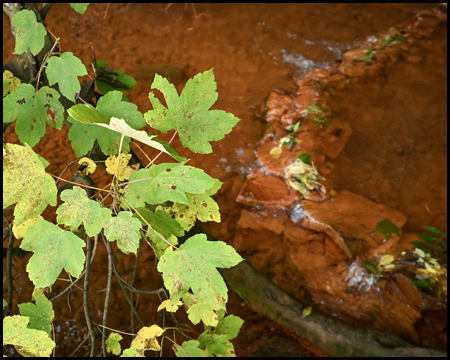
(397, 154)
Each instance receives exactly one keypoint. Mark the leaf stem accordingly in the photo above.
(157, 156)
(86, 296)
(78, 184)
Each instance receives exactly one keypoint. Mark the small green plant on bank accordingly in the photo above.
(427, 262)
(145, 203)
(389, 39)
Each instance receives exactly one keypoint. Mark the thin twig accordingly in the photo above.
(44, 63)
(80, 345)
(86, 296)
(65, 169)
(107, 298)
(133, 279)
(121, 281)
(170, 141)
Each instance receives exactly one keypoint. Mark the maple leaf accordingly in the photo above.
(26, 183)
(30, 109)
(194, 267)
(214, 344)
(166, 182)
(146, 337)
(190, 349)
(83, 134)
(120, 126)
(161, 224)
(119, 167)
(64, 71)
(229, 326)
(41, 314)
(78, 209)
(202, 312)
(189, 113)
(29, 32)
(200, 206)
(28, 342)
(112, 343)
(54, 249)
(125, 229)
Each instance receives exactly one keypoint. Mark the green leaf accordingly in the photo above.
(78, 209)
(113, 81)
(435, 230)
(432, 239)
(79, 7)
(316, 108)
(319, 120)
(112, 343)
(30, 110)
(217, 345)
(134, 351)
(26, 183)
(41, 314)
(30, 33)
(125, 229)
(166, 182)
(194, 267)
(160, 221)
(163, 224)
(54, 249)
(387, 228)
(202, 207)
(305, 157)
(369, 58)
(64, 71)
(371, 266)
(44, 162)
(188, 114)
(83, 134)
(112, 104)
(28, 342)
(190, 349)
(87, 114)
(202, 312)
(422, 284)
(229, 326)
(422, 245)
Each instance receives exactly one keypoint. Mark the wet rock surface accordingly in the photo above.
(331, 236)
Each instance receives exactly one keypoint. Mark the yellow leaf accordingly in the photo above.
(146, 337)
(91, 165)
(121, 169)
(166, 304)
(20, 230)
(386, 260)
(275, 152)
(306, 311)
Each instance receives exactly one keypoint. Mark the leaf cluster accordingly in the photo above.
(162, 200)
